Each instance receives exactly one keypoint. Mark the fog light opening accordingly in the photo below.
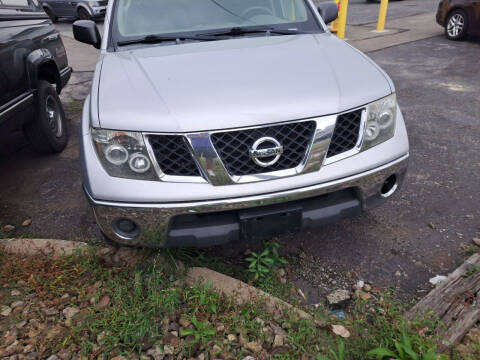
(126, 229)
(389, 186)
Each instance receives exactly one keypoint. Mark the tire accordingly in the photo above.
(47, 133)
(52, 17)
(456, 25)
(83, 14)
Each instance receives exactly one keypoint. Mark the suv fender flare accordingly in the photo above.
(46, 5)
(41, 65)
(84, 7)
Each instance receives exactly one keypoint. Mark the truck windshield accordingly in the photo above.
(137, 19)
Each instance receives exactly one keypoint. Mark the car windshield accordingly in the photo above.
(136, 19)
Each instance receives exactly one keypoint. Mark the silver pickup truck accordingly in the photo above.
(215, 121)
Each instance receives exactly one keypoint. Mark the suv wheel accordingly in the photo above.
(456, 25)
(50, 15)
(83, 14)
(48, 132)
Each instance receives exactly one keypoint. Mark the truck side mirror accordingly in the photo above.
(328, 11)
(86, 31)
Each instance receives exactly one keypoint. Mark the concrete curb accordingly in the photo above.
(51, 247)
(240, 291)
(111, 256)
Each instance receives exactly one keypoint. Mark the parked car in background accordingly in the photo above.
(33, 71)
(459, 18)
(81, 9)
(211, 122)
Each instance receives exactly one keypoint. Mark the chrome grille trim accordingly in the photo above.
(213, 171)
(312, 160)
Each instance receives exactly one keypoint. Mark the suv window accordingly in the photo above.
(137, 18)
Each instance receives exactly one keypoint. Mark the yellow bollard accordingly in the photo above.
(342, 18)
(334, 27)
(382, 15)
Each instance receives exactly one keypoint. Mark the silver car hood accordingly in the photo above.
(234, 83)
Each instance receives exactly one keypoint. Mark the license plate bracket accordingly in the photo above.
(259, 224)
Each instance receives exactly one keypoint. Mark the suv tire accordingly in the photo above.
(48, 131)
(52, 17)
(456, 25)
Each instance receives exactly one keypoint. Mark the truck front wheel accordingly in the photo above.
(47, 133)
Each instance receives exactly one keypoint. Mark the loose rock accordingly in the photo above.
(26, 222)
(15, 293)
(253, 346)
(184, 322)
(338, 297)
(6, 311)
(168, 349)
(437, 279)
(340, 330)
(278, 340)
(476, 241)
(21, 324)
(156, 353)
(17, 304)
(363, 295)
(360, 284)
(50, 311)
(103, 303)
(70, 312)
(8, 228)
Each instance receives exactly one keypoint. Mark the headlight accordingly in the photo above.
(380, 125)
(93, 3)
(123, 154)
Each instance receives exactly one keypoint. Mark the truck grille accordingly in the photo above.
(173, 155)
(346, 133)
(233, 147)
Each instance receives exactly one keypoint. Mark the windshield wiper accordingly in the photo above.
(152, 39)
(237, 31)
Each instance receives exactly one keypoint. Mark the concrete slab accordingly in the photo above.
(240, 291)
(50, 247)
(402, 31)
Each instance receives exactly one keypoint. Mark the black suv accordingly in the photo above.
(33, 71)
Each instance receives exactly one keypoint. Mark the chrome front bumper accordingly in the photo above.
(154, 220)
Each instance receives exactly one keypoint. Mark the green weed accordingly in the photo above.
(202, 332)
(261, 264)
(404, 350)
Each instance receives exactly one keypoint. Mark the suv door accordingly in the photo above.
(67, 7)
(12, 60)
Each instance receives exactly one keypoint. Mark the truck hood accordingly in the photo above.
(234, 83)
